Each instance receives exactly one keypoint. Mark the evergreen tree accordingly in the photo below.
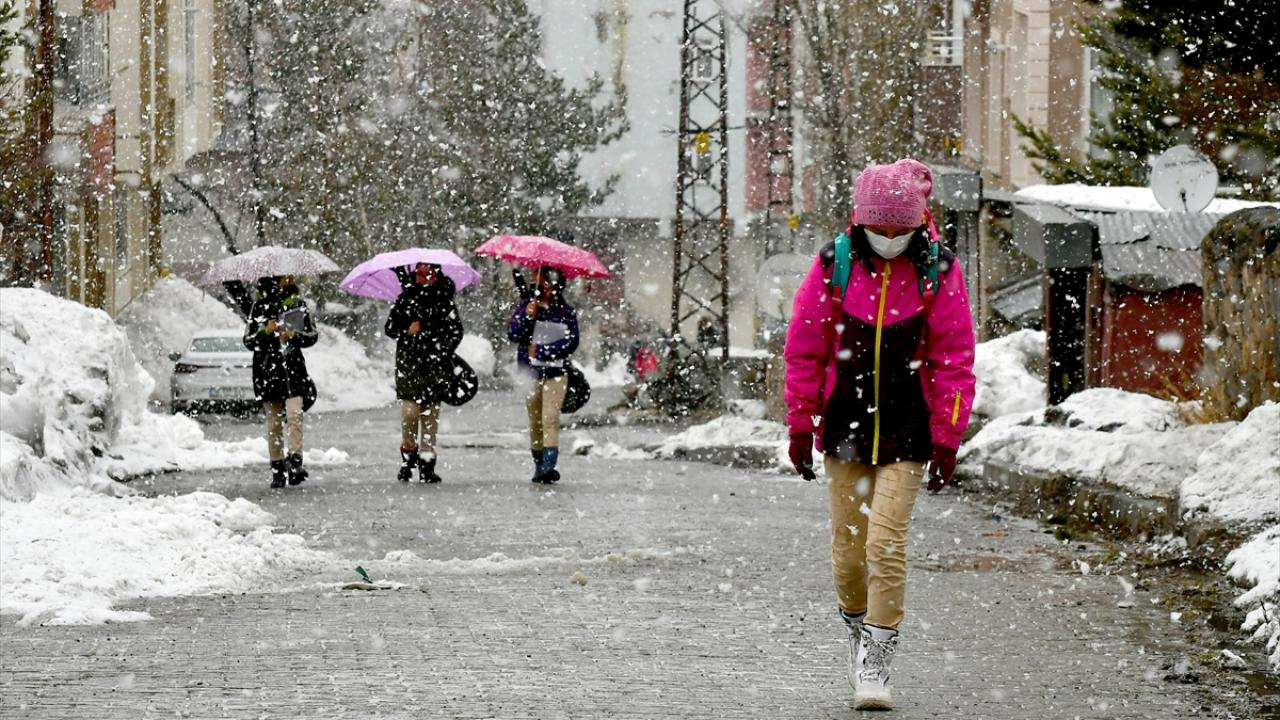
(484, 138)
(19, 180)
(1207, 76)
(10, 124)
(319, 150)
(437, 124)
(500, 137)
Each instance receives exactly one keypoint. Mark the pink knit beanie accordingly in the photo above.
(893, 195)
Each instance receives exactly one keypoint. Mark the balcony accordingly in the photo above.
(944, 50)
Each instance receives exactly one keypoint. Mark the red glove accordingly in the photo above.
(942, 465)
(801, 454)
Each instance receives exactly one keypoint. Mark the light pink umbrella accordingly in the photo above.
(534, 251)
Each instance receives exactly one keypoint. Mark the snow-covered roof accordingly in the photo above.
(1151, 251)
(1093, 197)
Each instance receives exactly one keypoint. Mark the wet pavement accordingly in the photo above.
(634, 588)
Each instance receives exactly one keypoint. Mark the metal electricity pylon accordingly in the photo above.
(700, 284)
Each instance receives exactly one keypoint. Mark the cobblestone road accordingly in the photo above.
(633, 589)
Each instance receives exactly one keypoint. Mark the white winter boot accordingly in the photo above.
(875, 654)
(854, 623)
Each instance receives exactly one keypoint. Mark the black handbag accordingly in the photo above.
(463, 385)
(578, 391)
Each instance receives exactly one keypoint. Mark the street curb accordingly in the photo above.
(1062, 500)
(1058, 500)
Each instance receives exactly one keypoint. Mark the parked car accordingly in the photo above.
(214, 373)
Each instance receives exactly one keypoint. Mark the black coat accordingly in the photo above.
(279, 370)
(424, 362)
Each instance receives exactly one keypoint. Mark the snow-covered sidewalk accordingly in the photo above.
(72, 540)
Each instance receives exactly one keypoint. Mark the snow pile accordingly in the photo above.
(1249, 455)
(73, 415)
(1230, 471)
(192, 544)
(1237, 479)
(162, 320)
(345, 377)
(1257, 563)
(587, 445)
(1101, 435)
(614, 374)
(159, 443)
(478, 352)
(1007, 383)
(70, 419)
(61, 411)
(746, 429)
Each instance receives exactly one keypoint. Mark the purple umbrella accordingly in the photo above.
(377, 278)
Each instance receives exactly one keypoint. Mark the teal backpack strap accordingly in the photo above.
(843, 263)
(929, 283)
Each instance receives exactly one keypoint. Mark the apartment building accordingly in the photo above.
(137, 91)
(1023, 58)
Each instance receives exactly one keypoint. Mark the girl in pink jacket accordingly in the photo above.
(879, 360)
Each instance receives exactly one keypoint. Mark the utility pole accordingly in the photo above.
(700, 239)
(39, 129)
(255, 162)
(161, 131)
(780, 134)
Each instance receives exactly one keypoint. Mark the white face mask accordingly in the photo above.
(888, 247)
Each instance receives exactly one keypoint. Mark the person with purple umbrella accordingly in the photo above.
(427, 329)
(544, 328)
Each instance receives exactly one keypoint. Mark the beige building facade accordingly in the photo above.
(137, 93)
(1024, 59)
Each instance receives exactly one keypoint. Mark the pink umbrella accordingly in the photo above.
(533, 251)
(377, 278)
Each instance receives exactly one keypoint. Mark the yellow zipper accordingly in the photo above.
(955, 410)
(875, 438)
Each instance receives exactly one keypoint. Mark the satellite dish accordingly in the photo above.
(1183, 180)
(780, 276)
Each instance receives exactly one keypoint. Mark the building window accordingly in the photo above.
(120, 228)
(80, 71)
(1099, 102)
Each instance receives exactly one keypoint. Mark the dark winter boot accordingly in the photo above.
(297, 473)
(537, 464)
(427, 469)
(279, 472)
(408, 461)
(547, 472)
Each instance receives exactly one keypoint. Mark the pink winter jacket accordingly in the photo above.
(878, 380)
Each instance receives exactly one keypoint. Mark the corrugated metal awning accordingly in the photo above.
(1146, 266)
(1174, 231)
(1019, 302)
